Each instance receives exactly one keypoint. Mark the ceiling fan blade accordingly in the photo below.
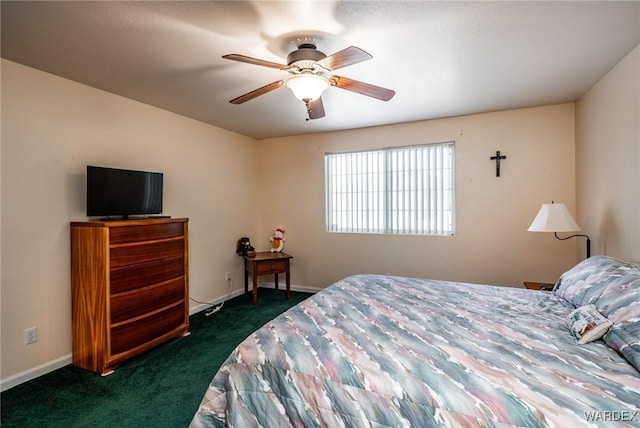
(257, 92)
(315, 109)
(349, 56)
(363, 88)
(255, 61)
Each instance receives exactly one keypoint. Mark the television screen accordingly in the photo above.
(121, 192)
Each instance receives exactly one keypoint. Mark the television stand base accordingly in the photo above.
(127, 217)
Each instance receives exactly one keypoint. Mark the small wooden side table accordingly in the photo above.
(545, 286)
(266, 263)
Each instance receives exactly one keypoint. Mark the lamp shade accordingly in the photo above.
(553, 218)
(307, 87)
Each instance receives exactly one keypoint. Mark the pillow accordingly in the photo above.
(625, 339)
(587, 324)
(613, 287)
(620, 302)
(585, 282)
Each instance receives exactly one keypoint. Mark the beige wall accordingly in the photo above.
(608, 161)
(491, 244)
(51, 129)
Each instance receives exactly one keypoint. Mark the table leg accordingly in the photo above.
(246, 278)
(276, 279)
(288, 284)
(255, 286)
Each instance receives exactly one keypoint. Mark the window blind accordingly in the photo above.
(402, 190)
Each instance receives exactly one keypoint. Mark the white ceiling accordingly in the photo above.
(442, 58)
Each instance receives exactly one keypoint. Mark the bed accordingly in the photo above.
(385, 351)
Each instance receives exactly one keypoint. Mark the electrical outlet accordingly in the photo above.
(30, 335)
(227, 277)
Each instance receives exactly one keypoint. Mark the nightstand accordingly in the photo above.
(266, 263)
(545, 286)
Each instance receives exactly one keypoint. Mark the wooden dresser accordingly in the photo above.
(129, 288)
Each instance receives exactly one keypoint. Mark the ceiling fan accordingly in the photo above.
(309, 71)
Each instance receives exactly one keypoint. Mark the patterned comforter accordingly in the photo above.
(381, 351)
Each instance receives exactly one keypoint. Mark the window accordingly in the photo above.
(401, 190)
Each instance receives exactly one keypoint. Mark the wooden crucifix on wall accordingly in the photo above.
(497, 158)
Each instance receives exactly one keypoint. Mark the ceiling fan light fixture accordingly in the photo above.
(307, 87)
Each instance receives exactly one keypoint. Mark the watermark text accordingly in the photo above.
(612, 416)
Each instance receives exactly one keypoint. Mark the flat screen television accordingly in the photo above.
(120, 192)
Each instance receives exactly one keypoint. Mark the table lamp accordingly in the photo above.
(556, 218)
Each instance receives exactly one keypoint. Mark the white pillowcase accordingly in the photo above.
(587, 324)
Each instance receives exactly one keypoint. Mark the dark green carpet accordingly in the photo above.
(161, 388)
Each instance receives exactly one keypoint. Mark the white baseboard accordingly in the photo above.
(32, 373)
(299, 288)
(42, 369)
(302, 289)
(206, 305)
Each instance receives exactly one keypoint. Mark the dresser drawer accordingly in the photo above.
(127, 234)
(131, 277)
(127, 336)
(129, 305)
(145, 252)
(264, 268)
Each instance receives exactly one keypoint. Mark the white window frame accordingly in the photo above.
(394, 190)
